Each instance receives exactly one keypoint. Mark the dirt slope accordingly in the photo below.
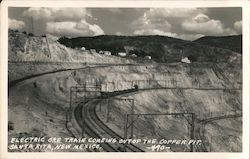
(51, 94)
(23, 47)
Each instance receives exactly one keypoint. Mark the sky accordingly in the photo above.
(182, 23)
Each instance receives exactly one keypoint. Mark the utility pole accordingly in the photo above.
(125, 132)
(70, 103)
(108, 110)
(132, 124)
(83, 120)
(192, 132)
(32, 25)
(211, 144)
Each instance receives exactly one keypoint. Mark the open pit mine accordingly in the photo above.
(80, 99)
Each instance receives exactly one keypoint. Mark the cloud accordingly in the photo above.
(204, 25)
(153, 32)
(173, 12)
(114, 10)
(169, 34)
(190, 37)
(238, 26)
(119, 33)
(57, 14)
(16, 24)
(166, 21)
(183, 23)
(201, 18)
(73, 29)
(69, 22)
(147, 23)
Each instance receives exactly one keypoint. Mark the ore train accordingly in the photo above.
(115, 93)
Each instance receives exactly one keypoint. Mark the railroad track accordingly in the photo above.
(88, 127)
(197, 134)
(203, 122)
(191, 88)
(100, 126)
(12, 83)
(208, 120)
(99, 122)
(94, 127)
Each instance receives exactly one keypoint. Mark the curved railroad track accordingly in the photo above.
(208, 120)
(88, 126)
(203, 122)
(95, 120)
(12, 83)
(100, 123)
(94, 127)
(197, 135)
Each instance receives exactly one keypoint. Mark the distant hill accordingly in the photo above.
(161, 48)
(233, 43)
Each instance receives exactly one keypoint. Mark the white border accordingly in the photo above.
(122, 4)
